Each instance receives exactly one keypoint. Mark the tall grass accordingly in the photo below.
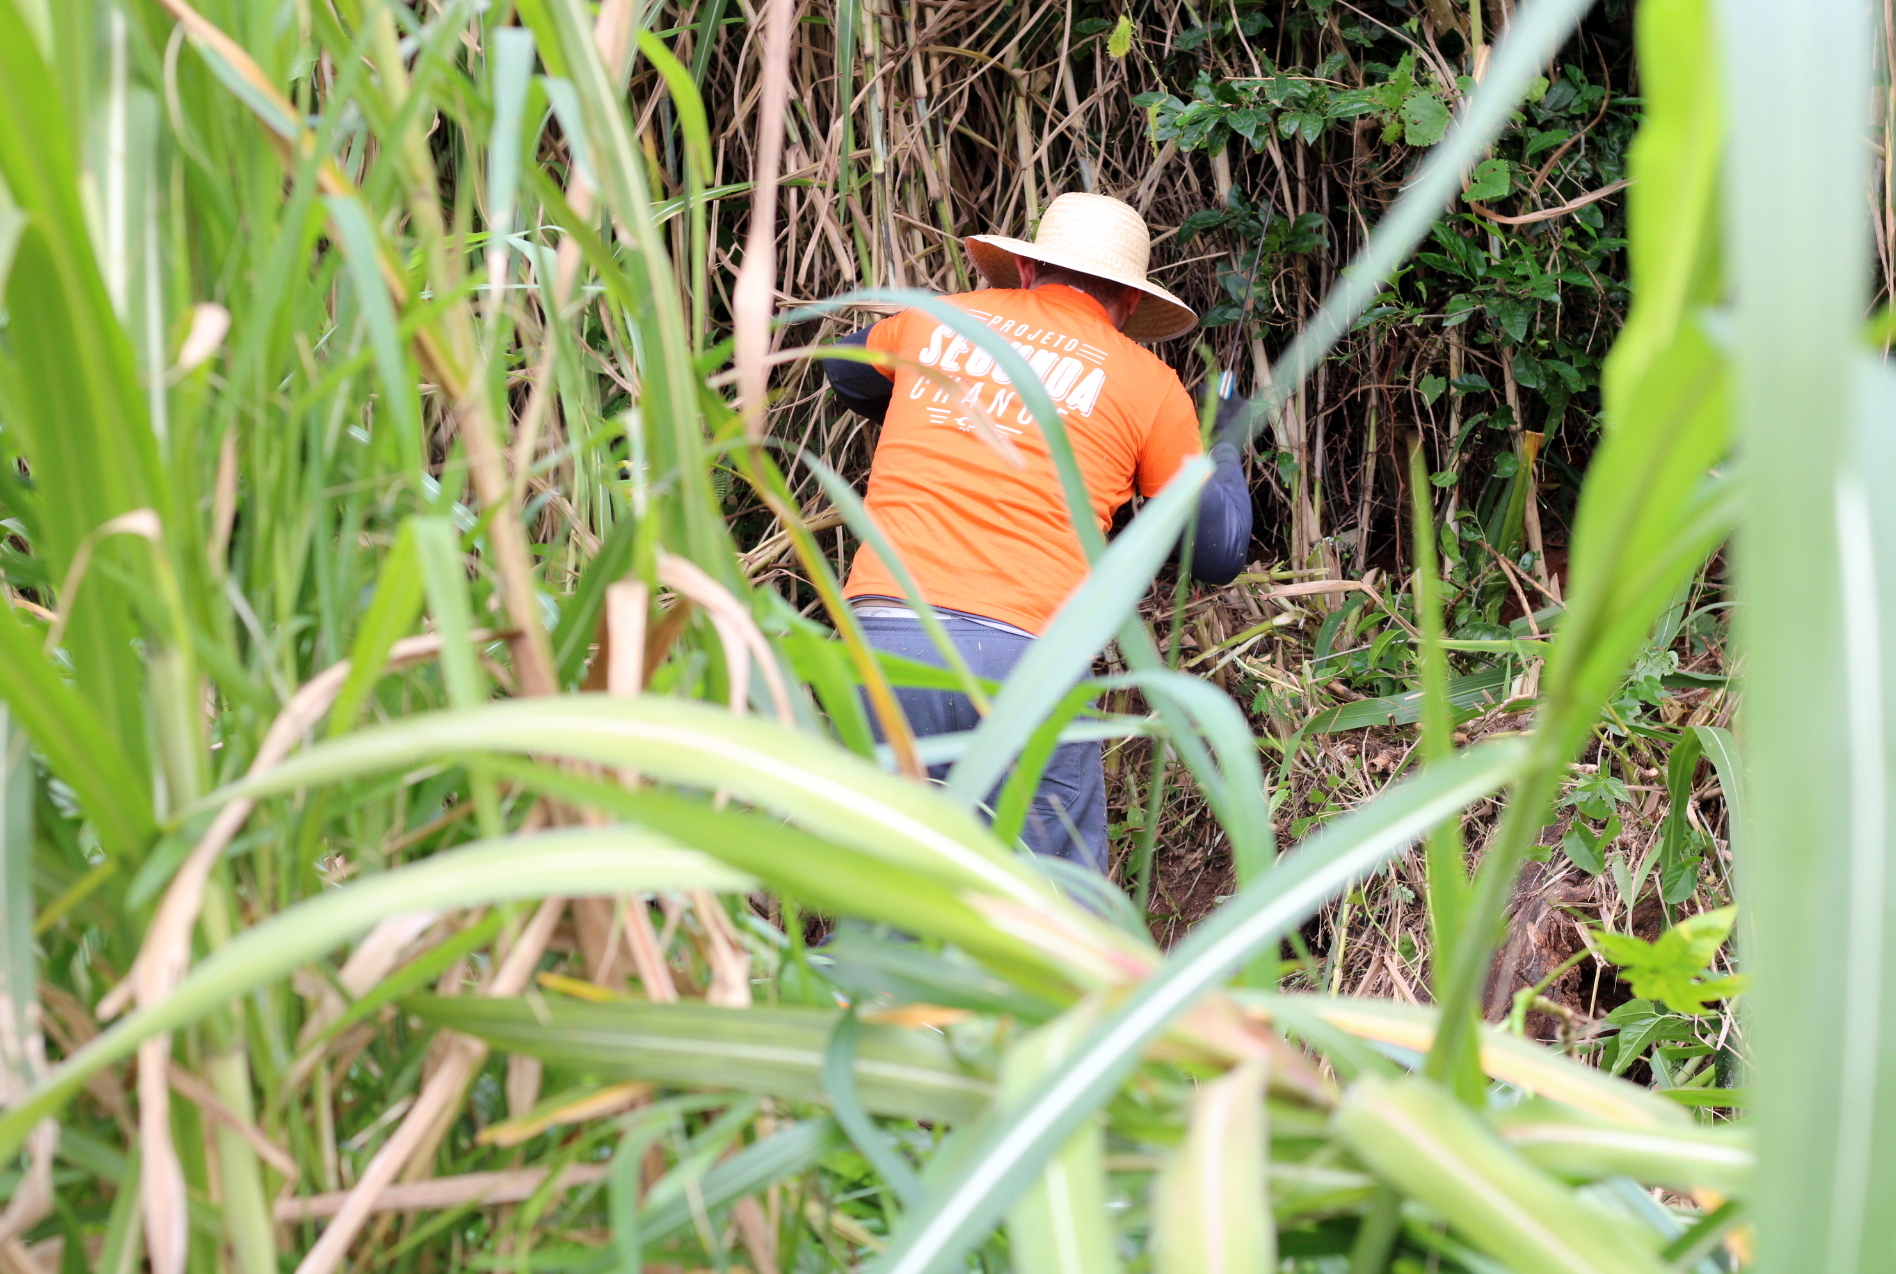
(423, 783)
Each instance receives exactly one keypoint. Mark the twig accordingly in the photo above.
(1548, 214)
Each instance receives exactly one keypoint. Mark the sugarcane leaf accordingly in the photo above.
(1062, 1224)
(1029, 1131)
(1211, 1207)
(833, 879)
(828, 791)
(770, 1051)
(1423, 1141)
(1504, 1056)
(575, 862)
(1580, 1147)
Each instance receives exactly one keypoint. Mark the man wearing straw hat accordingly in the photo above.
(986, 535)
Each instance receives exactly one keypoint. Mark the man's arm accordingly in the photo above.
(1223, 539)
(862, 386)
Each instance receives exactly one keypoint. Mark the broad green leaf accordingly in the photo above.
(1028, 1132)
(578, 862)
(1491, 179)
(444, 579)
(1670, 967)
(912, 1074)
(1420, 1139)
(1211, 1203)
(1424, 119)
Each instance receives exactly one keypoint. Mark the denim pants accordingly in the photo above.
(1068, 816)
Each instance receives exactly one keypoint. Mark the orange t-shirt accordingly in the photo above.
(978, 534)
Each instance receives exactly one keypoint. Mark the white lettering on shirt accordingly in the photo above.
(932, 355)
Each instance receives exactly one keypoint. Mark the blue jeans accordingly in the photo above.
(1068, 816)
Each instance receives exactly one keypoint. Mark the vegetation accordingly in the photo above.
(442, 824)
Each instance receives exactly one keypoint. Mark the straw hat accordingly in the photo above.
(1094, 235)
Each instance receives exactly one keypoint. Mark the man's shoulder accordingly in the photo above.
(1152, 369)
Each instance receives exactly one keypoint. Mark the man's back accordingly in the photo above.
(979, 534)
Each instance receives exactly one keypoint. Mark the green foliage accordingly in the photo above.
(1671, 968)
(1294, 107)
(298, 731)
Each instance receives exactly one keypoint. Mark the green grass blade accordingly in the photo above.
(444, 579)
(839, 1084)
(78, 745)
(399, 398)
(511, 69)
(579, 617)
(390, 614)
(782, 1154)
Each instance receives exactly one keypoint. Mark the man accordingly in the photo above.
(990, 545)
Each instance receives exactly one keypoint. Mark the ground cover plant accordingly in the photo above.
(442, 823)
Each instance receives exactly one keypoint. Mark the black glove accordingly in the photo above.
(1233, 422)
(862, 387)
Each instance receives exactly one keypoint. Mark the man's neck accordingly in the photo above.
(1092, 300)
